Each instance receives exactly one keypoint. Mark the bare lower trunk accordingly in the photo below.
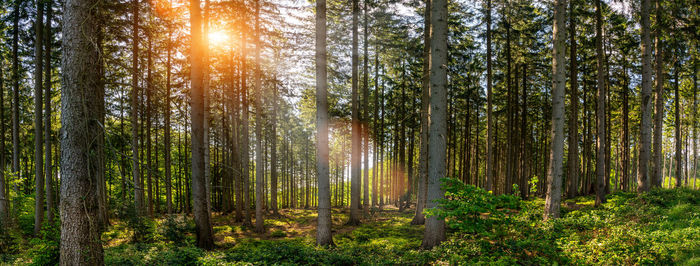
(323, 232)
(645, 108)
(356, 127)
(419, 217)
(657, 174)
(199, 191)
(435, 226)
(600, 113)
(38, 120)
(554, 177)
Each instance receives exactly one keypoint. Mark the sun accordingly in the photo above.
(218, 38)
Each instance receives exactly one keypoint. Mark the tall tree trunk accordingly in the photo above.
(419, 217)
(207, 105)
(365, 115)
(4, 202)
(47, 113)
(82, 104)
(435, 226)
(554, 176)
(356, 127)
(523, 139)
(600, 132)
(375, 123)
(657, 175)
(38, 116)
(138, 190)
(645, 108)
(573, 163)
(259, 167)
(15, 97)
(166, 133)
(148, 115)
(245, 147)
(199, 191)
(625, 127)
(678, 139)
(273, 150)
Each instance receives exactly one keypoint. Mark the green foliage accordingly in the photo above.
(175, 229)
(45, 250)
(153, 254)
(470, 209)
(7, 242)
(144, 228)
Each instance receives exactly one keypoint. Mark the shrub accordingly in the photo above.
(45, 250)
(470, 209)
(175, 229)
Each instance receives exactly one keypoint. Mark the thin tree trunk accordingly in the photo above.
(679, 153)
(47, 113)
(554, 176)
(600, 127)
(365, 115)
(138, 190)
(645, 108)
(573, 163)
(356, 127)
(168, 167)
(259, 167)
(657, 175)
(419, 217)
(38, 122)
(15, 98)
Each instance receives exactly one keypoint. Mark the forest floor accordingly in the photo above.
(658, 228)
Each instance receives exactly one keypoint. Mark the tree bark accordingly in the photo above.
(138, 190)
(657, 174)
(259, 166)
(419, 217)
(199, 191)
(356, 127)
(82, 104)
(645, 108)
(573, 163)
(435, 226)
(15, 97)
(678, 139)
(47, 113)
(554, 175)
(38, 119)
(601, 132)
(323, 232)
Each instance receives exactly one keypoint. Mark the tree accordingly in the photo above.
(38, 116)
(356, 127)
(573, 167)
(47, 112)
(645, 108)
(489, 100)
(259, 167)
(136, 162)
(554, 176)
(199, 192)
(600, 121)
(419, 217)
(435, 226)
(657, 174)
(323, 232)
(82, 104)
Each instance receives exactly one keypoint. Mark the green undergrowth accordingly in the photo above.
(661, 227)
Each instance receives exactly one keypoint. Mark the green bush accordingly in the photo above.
(175, 229)
(45, 250)
(470, 209)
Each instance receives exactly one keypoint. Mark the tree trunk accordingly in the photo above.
(645, 108)
(554, 176)
(435, 226)
(419, 217)
(82, 104)
(138, 190)
(259, 167)
(38, 122)
(199, 192)
(356, 127)
(657, 175)
(679, 153)
(625, 127)
(168, 167)
(15, 97)
(573, 163)
(365, 116)
(600, 126)
(47, 113)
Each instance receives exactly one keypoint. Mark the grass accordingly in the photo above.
(661, 227)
